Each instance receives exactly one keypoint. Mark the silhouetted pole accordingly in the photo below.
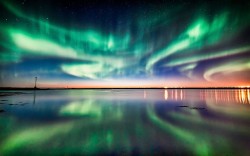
(35, 82)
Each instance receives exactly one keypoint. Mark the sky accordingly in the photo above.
(110, 43)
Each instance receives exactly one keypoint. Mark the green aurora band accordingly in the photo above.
(107, 55)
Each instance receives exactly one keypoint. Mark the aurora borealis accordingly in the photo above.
(124, 44)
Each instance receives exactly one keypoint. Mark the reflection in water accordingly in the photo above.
(217, 95)
(34, 97)
(85, 108)
(127, 122)
(175, 94)
(166, 94)
(241, 96)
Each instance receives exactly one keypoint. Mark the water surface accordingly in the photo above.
(125, 122)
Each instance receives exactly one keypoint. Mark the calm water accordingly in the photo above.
(125, 122)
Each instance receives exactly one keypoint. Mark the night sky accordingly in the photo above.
(110, 43)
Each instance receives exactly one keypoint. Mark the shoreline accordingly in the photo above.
(10, 88)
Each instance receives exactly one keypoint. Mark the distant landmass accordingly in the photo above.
(26, 88)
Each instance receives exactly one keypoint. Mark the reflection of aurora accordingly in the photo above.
(203, 49)
(89, 124)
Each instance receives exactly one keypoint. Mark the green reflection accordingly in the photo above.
(33, 138)
(85, 108)
(199, 147)
(92, 122)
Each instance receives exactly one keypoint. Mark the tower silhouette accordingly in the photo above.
(35, 82)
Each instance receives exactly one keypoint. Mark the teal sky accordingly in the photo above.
(124, 44)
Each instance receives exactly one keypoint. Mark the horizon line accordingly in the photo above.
(63, 88)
